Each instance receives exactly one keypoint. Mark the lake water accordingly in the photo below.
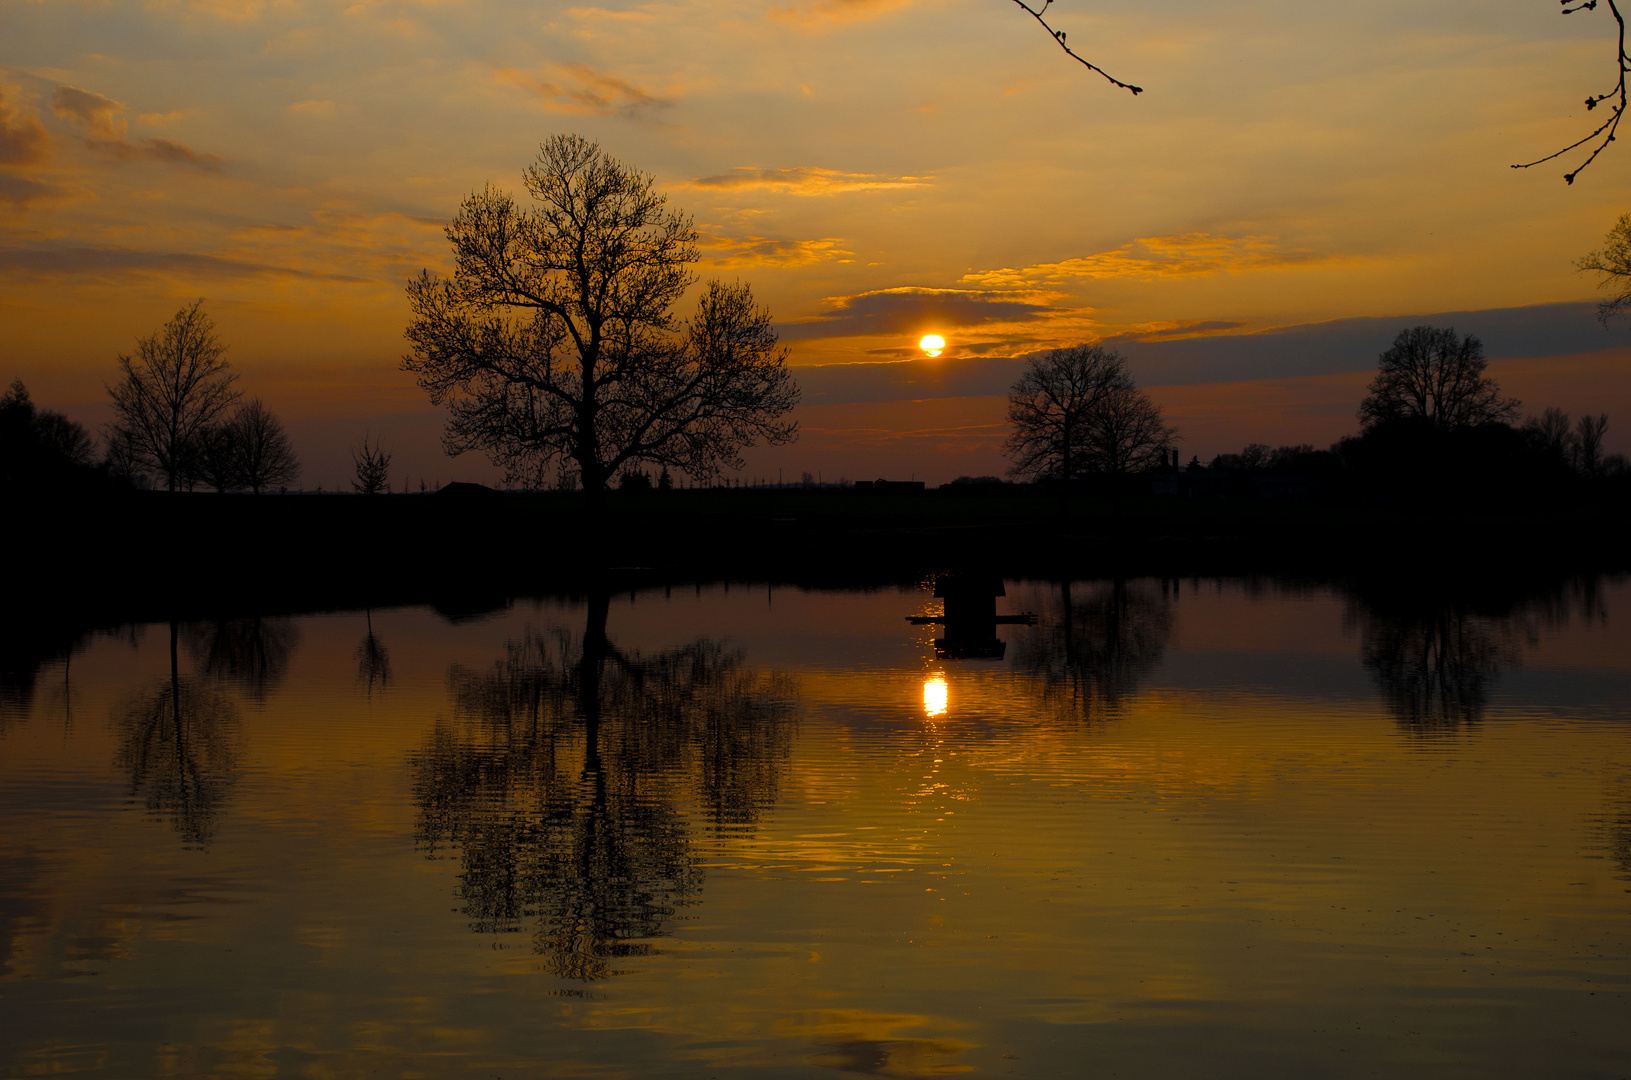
(1208, 828)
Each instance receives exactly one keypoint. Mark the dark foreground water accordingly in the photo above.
(1194, 828)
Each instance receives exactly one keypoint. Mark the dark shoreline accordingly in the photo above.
(146, 556)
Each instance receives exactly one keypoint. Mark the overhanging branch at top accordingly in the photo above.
(1059, 37)
(1606, 130)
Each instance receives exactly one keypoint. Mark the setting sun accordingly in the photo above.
(932, 344)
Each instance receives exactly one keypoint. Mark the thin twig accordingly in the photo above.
(1059, 38)
(1608, 127)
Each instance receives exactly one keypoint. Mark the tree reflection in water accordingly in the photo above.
(1095, 643)
(1436, 652)
(178, 743)
(560, 778)
(252, 653)
(373, 658)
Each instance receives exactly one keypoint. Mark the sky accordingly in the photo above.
(1296, 184)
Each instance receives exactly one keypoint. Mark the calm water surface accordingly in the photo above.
(1191, 828)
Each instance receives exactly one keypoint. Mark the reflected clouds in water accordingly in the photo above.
(562, 776)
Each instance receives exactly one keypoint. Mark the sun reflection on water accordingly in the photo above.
(934, 695)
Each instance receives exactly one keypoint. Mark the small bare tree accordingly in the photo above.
(1436, 377)
(1588, 444)
(174, 388)
(265, 458)
(1613, 267)
(373, 468)
(217, 459)
(1127, 434)
(555, 342)
(1077, 411)
(1051, 405)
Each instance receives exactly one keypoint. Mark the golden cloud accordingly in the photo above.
(23, 139)
(93, 112)
(382, 247)
(804, 180)
(582, 90)
(1152, 257)
(835, 12)
(727, 251)
(105, 131)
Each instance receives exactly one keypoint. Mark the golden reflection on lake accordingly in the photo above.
(1192, 828)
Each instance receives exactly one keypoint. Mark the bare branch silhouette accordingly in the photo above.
(1606, 130)
(1059, 37)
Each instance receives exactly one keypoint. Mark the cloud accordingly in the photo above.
(312, 108)
(1345, 345)
(726, 251)
(20, 191)
(1151, 257)
(583, 91)
(98, 115)
(911, 311)
(1172, 331)
(23, 139)
(824, 13)
(122, 262)
(1338, 347)
(105, 131)
(386, 247)
(804, 180)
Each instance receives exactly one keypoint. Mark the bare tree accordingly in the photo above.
(265, 458)
(1436, 377)
(1605, 132)
(555, 341)
(1077, 411)
(170, 392)
(216, 458)
(1588, 444)
(373, 467)
(1613, 267)
(1051, 405)
(1127, 434)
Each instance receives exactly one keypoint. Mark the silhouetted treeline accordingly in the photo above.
(41, 449)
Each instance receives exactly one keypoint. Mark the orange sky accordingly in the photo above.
(878, 169)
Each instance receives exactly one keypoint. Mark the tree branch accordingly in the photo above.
(1059, 38)
(1606, 130)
